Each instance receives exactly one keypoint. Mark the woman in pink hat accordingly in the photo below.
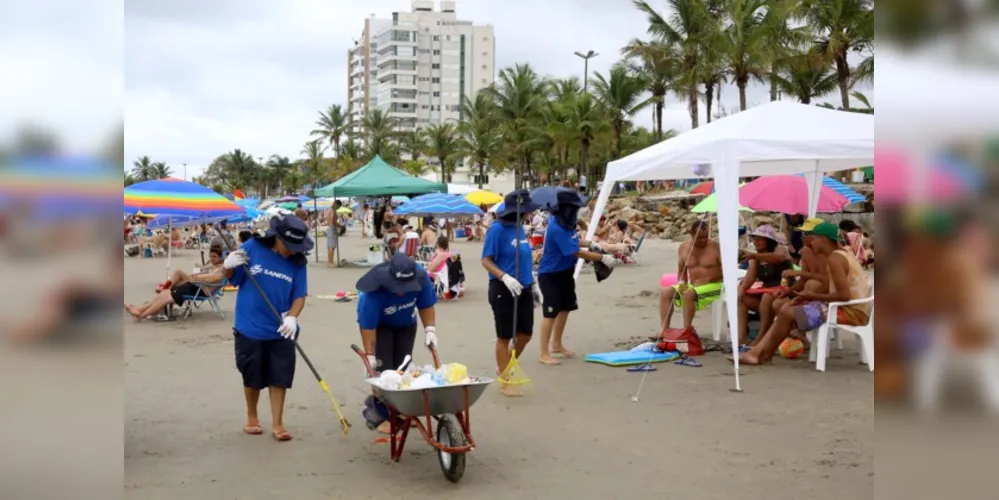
(759, 288)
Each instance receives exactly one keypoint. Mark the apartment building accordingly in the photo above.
(419, 65)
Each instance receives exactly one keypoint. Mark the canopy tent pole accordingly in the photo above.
(169, 245)
(814, 182)
(726, 177)
(605, 192)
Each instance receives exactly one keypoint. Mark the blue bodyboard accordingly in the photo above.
(625, 358)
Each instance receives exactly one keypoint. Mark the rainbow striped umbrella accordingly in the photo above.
(178, 199)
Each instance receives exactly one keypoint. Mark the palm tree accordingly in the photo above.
(519, 94)
(333, 124)
(842, 27)
(379, 130)
(312, 163)
(278, 168)
(144, 169)
(443, 143)
(161, 170)
(413, 142)
(587, 121)
(478, 145)
(685, 32)
(744, 43)
(782, 40)
(129, 180)
(657, 64)
(805, 76)
(621, 96)
(234, 169)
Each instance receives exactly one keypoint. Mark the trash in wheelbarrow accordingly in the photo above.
(440, 399)
(425, 377)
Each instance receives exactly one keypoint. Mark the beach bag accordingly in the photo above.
(685, 341)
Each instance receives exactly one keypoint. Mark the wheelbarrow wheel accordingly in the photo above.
(450, 434)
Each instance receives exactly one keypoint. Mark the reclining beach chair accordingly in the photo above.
(631, 258)
(192, 302)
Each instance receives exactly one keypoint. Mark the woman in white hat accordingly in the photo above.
(765, 269)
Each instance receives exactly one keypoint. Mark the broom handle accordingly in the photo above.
(516, 274)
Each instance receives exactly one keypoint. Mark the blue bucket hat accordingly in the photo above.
(292, 232)
(511, 200)
(399, 275)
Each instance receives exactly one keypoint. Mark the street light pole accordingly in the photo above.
(586, 65)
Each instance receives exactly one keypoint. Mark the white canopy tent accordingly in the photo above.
(778, 138)
(460, 189)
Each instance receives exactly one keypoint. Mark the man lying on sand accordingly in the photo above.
(809, 310)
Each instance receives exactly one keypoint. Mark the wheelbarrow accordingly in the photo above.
(448, 406)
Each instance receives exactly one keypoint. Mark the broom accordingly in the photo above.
(512, 379)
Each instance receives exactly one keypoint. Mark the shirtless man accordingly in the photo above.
(333, 234)
(814, 274)
(700, 262)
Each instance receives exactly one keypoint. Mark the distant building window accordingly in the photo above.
(435, 66)
(437, 38)
(485, 67)
(437, 94)
(435, 80)
(437, 52)
(485, 53)
(449, 38)
(483, 80)
(485, 39)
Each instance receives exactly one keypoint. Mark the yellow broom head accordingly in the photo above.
(513, 381)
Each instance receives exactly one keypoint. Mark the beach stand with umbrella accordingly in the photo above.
(482, 197)
(178, 199)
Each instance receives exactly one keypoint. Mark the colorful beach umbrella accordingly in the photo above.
(847, 192)
(703, 188)
(180, 199)
(437, 204)
(787, 194)
(479, 198)
(710, 204)
(895, 184)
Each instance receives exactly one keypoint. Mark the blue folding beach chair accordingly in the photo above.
(192, 302)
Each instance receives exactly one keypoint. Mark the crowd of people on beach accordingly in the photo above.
(530, 257)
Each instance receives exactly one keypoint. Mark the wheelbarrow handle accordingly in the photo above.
(433, 353)
(364, 358)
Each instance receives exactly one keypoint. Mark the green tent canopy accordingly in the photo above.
(378, 178)
(868, 174)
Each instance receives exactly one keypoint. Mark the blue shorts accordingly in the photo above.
(265, 363)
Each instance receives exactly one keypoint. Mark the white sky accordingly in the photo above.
(205, 77)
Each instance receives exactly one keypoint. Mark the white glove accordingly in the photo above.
(289, 327)
(235, 259)
(512, 284)
(536, 292)
(430, 337)
(373, 361)
(595, 247)
(608, 260)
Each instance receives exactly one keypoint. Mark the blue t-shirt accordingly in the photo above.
(282, 281)
(382, 307)
(501, 239)
(560, 250)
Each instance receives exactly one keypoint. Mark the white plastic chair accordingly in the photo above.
(819, 350)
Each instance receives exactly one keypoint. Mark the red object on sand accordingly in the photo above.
(684, 340)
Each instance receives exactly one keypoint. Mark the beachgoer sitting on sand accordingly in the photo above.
(176, 296)
(766, 268)
(809, 310)
(179, 278)
(700, 277)
(617, 239)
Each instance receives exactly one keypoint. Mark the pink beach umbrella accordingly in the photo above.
(787, 194)
(893, 179)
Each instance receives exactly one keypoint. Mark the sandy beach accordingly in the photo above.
(794, 433)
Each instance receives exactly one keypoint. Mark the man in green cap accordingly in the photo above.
(809, 309)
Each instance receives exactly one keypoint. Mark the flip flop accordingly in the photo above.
(282, 436)
(647, 367)
(691, 362)
(253, 430)
(745, 348)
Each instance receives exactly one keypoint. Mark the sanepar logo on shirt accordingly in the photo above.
(257, 269)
